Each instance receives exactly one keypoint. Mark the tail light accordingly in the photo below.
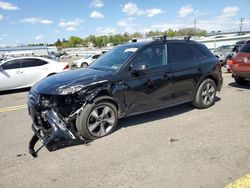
(233, 61)
(66, 67)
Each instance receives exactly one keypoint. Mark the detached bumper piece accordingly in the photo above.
(59, 137)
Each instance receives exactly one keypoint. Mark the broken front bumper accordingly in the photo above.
(58, 136)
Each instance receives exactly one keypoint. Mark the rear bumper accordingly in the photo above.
(236, 74)
(58, 136)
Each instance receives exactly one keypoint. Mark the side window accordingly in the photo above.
(14, 64)
(96, 56)
(179, 53)
(153, 56)
(197, 53)
(32, 63)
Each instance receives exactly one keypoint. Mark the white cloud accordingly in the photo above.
(185, 11)
(153, 12)
(71, 29)
(105, 31)
(71, 25)
(31, 20)
(35, 20)
(46, 22)
(1, 17)
(132, 9)
(39, 37)
(228, 12)
(96, 14)
(97, 3)
(8, 6)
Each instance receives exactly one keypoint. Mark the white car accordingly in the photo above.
(86, 60)
(25, 71)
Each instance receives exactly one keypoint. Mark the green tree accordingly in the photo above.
(58, 43)
(74, 41)
(170, 33)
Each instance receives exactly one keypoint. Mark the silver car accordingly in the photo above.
(224, 53)
(25, 71)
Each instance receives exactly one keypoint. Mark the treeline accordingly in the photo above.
(102, 41)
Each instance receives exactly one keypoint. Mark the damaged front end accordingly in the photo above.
(54, 119)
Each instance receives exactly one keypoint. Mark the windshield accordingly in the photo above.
(114, 59)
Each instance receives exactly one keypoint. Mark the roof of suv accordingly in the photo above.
(144, 42)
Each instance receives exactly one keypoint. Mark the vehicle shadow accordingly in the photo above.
(234, 84)
(14, 91)
(156, 115)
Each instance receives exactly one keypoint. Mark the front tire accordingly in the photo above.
(97, 120)
(205, 95)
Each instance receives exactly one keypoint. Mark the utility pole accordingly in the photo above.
(194, 24)
(241, 24)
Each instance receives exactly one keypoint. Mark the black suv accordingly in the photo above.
(133, 78)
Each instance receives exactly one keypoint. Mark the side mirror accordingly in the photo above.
(139, 68)
(1, 68)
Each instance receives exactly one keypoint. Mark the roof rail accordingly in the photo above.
(163, 38)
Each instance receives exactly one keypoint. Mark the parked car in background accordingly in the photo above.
(229, 65)
(224, 53)
(238, 45)
(86, 60)
(241, 65)
(130, 79)
(25, 71)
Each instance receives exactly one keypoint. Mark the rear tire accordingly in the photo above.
(205, 95)
(97, 120)
(240, 80)
(83, 65)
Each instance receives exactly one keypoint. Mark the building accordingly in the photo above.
(26, 51)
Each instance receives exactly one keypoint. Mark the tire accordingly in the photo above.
(205, 95)
(97, 120)
(83, 65)
(240, 80)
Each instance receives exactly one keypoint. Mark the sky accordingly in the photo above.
(33, 21)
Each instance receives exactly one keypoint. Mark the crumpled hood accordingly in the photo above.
(80, 78)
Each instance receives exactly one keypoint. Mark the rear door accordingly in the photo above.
(34, 70)
(11, 75)
(186, 69)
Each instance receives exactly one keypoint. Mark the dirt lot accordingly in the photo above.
(176, 147)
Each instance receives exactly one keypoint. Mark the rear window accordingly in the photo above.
(245, 48)
(32, 63)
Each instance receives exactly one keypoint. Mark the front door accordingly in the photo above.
(149, 89)
(11, 75)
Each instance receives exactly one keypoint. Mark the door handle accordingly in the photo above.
(165, 77)
(19, 72)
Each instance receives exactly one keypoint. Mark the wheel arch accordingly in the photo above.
(204, 78)
(105, 96)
